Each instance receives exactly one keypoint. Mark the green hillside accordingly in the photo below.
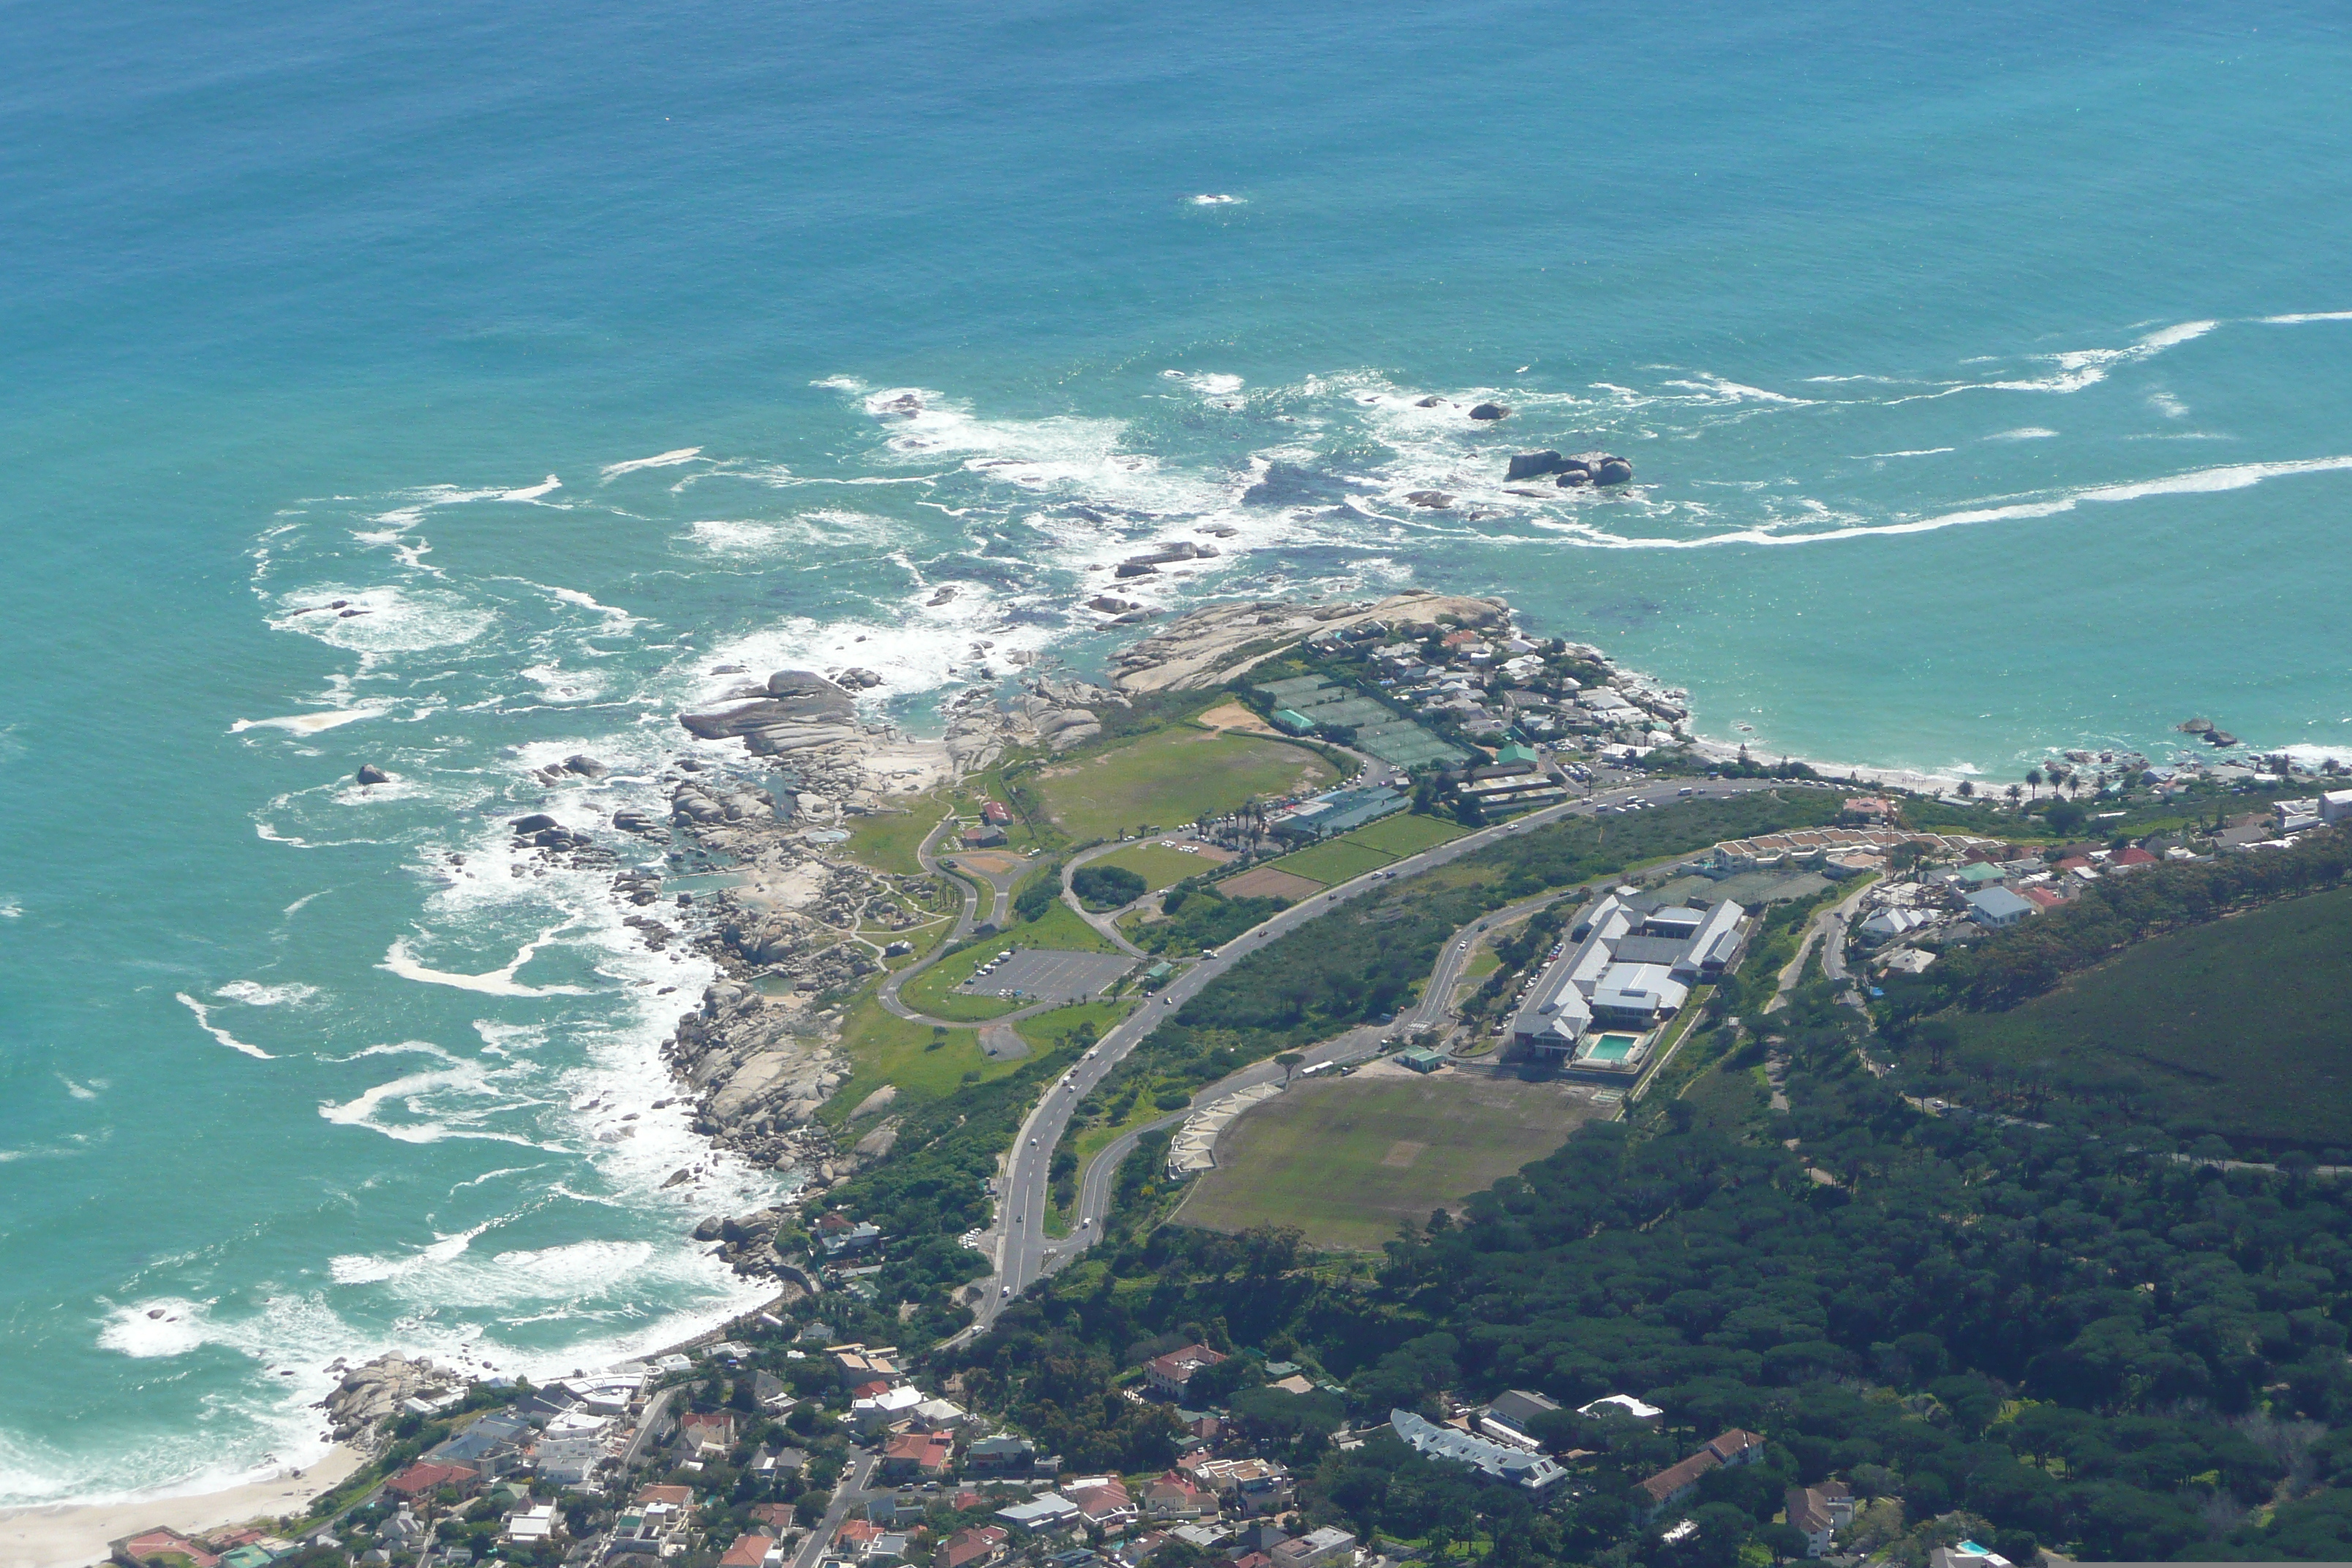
(2241, 1027)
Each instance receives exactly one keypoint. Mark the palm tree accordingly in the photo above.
(2014, 794)
(2032, 781)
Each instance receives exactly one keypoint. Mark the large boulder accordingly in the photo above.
(370, 773)
(1437, 501)
(1613, 470)
(537, 822)
(1533, 465)
(1490, 411)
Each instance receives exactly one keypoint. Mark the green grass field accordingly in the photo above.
(1333, 860)
(1170, 778)
(2241, 1027)
(1159, 867)
(887, 842)
(1407, 833)
(1349, 1160)
(885, 1049)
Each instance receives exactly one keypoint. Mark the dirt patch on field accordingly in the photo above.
(989, 865)
(1266, 883)
(1233, 716)
(1401, 1154)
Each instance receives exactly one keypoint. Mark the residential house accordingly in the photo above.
(1675, 1483)
(1103, 1503)
(775, 1517)
(978, 1547)
(1328, 1547)
(423, 1479)
(1809, 1516)
(988, 836)
(751, 1551)
(704, 1433)
(1998, 907)
(997, 812)
(940, 1414)
(1177, 1496)
(856, 1535)
(917, 1456)
(1170, 1373)
(533, 1523)
(1047, 1513)
(999, 1455)
(858, 1363)
(837, 1235)
(885, 1408)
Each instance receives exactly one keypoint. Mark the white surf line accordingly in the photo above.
(496, 983)
(658, 460)
(311, 723)
(2196, 482)
(2298, 319)
(204, 1022)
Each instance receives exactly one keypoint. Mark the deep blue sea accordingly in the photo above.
(1987, 370)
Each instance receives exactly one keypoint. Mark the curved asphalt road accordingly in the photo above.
(1024, 1252)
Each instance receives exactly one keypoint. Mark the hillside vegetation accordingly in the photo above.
(2240, 1029)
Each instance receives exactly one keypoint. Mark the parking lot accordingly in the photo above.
(1046, 974)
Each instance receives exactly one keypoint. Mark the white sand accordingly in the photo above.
(76, 1535)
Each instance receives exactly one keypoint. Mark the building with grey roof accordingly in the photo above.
(1998, 906)
(1628, 969)
(1497, 1462)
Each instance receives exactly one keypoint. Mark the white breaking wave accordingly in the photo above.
(532, 492)
(2023, 433)
(2299, 319)
(658, 460)
(313, 723)
(2198, 481)
(496, 983)
(204, 1022)
(253, 994)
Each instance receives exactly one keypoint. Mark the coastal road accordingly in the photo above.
(1025, 1251)
(848, 1491)
(1105, 925)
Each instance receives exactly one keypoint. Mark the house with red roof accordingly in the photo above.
(975, 1548)
(423, 1477)
(750, 1551)
(1169, 1373)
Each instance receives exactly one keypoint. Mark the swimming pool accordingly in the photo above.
(1611, 1047)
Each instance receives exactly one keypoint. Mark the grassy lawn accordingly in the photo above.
(1171, 778)
(1159, 867)
(885, 1049)
(889, 842)
(1483, 963)
(2241, 1027)
(1349, 1160)
(1408, 834)
(1334, 861)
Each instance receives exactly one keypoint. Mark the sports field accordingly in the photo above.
(1367, 848)
(1334, 861)
(1406, 833)
(1170, 778)
(1163, 867)
(1349, 1159)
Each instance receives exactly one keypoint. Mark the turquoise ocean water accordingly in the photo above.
(1986, 370)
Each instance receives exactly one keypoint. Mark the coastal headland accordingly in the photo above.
(815, 866)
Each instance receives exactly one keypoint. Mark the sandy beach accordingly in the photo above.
(74, 1535)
